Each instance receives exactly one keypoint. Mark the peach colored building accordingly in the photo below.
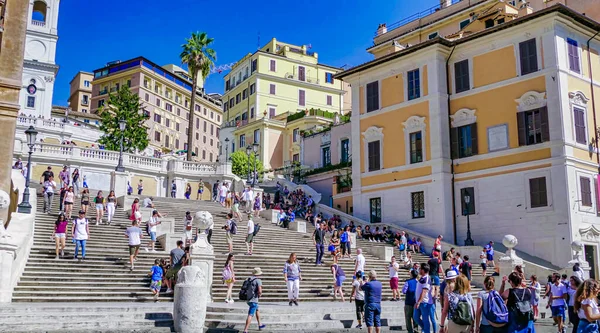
(80, 96)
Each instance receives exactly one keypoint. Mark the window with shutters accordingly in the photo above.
(157, 136)
(301, 73)
(464, 141)
(272, 89)
(238, 98)
(375, 210)
(533, 127)
(586, 191)
(329, 100)
(537, 192)
(254, 65)
(461, 76)
(257, 136)
(372, 96)
(252, 88)
(301, 97)
(345, 143)
(204, 128)
(579, 122)
(242, 141)
(251, 112)
(414, 84)
(528, 56)
(272, 66)
(417, 201)
(470, 207)
(326, 156)
(329, 78)
(295, 133)
(272, 112)
(176, 143)
(244, 93)
(416, 147)
(374, 155)
(573, 55)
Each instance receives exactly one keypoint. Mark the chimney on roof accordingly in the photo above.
(445, 3)
(381, 29)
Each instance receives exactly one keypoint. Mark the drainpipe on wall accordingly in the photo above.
(593, 99)
(450, 140)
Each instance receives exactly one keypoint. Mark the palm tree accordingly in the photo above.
(199, 58)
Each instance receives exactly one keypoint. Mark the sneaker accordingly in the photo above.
(146, 249)
(169, 291)
(359, 326)
(227, 300)
(156, 298)
(296, 302)
(132, 268)
(56, 258)
(62, 253)
(153, 251)
(261, 327)
(290, 303)
(75, 259)
(231, 301)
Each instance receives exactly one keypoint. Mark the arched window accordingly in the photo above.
(40, 9)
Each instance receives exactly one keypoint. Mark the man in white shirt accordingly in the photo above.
(558, 295)
(250, 236)
(223, 193)
(152, 228)
(134, 233)
(360, 261)
(49, 188)
(247, 198)
(80, 231)
(403, 244)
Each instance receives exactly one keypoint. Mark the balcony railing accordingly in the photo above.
(296, 77)
(38, 23)
(103, 92)
(419, 15)
(317, 113)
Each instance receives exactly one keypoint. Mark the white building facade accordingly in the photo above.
(39, 67)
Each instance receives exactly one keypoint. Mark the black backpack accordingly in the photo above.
(462, 315)
(247, 292)
(522, 309)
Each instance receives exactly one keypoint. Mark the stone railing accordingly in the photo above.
(72, 130)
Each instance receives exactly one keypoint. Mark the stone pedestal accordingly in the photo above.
(168, 241)
(384, 253)
(299, 226)
(508, 262)
(271, 215)
(202, 256)
(118, 182)
(166, 226)
(191, 299)
(146, 214)
(578, 258)
(8, 252)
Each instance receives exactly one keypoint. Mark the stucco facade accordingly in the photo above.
(503, 116)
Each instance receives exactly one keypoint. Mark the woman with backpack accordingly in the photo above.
(458, 308)
(292, 275)
(518, 302)
(338, 277)
(229, 277)
(586, 305)
(491, 305)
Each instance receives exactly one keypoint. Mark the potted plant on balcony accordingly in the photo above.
(344, 182)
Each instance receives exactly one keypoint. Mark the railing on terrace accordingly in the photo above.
(317, 113)
(49, 123)
(199, 167)
(420, 15)
(38, 23)
(296, 77)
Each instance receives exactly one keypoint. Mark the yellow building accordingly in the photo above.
(80, 96)
(274, 94)
(165, 92)
(490, 121)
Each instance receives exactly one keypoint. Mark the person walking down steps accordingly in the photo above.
(292, 275)
(251, 292)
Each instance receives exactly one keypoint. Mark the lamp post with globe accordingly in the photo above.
(25, 207)
(469, 240)
(226, 150)
(120, 167)
(255, 150)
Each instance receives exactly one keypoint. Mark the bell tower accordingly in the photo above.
(39, 66)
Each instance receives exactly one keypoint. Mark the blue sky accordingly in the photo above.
(92, 32)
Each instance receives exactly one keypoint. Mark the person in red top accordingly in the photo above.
(60, 235)
(437, 245)
(135, 207)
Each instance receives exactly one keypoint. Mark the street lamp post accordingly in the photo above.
(255, 150)
(248, 152)
(120, 167)
(226, 150)
(469, 240)
(25, 207)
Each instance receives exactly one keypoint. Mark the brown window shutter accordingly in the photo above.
(474, 149)
(522, 129)
(454, 142)
(544, 124)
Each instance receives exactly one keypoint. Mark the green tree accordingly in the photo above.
(124, 105)
(199, 58)
(239, 163)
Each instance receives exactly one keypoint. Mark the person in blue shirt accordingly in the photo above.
(156, 275)
(409, 289)
(372, 291)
